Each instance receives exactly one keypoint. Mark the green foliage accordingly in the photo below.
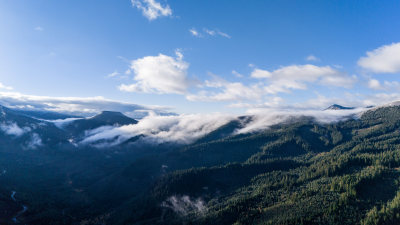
(300, 172)
(344, 173)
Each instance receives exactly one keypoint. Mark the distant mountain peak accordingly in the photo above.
(113, 116)
(338, 107)
(110, 113)
(105, 118)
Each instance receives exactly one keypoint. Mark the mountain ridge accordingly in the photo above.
(338, 107)
(343, 173)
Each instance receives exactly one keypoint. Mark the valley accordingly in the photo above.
(162, 112)
(330, 172)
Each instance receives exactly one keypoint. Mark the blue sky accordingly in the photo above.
(202, 56)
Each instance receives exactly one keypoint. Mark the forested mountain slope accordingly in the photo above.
(298, 173)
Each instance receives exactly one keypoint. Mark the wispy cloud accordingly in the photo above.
(385, 59)
(194, 32)
(113, 74)
(13, 129)
(34, 142)
(312, 58)
(237, 74)
(223, 90)
(182, 205)
(208, 32)
(61, 123)
(223, 34)
(152, 9)
(2, 86)
(385, 85)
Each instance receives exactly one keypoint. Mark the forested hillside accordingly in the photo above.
(297, 173)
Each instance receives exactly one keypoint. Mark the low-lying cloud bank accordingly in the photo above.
(13, 129)
(265, 118)
(186, 129)
(61, 123)
(34, 142)
(159, 129)
(182, 205)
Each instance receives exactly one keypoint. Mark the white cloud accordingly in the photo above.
(227, 91)
(182, 205)
(75, 105)
(34, 142)
(186, 129)
(38, 28)
(387, 85)
(237, 74)
(208, 32)
(319, 103)
(339, 80)
(179, 54)
(216, 32)
(113, 74)
(297, 76)
(194, 32)
(61, 123)
(14, 129)
(380, 99)
(257, 73)
(374, 84)
(285, 79)
(323, 102)
(160, 74)
(391, 85)
(2, 86)
(274, 102)
(263, 118)
(312, 58)
(385, 59)
(224, 34)
(158, 129)
(152, 9)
